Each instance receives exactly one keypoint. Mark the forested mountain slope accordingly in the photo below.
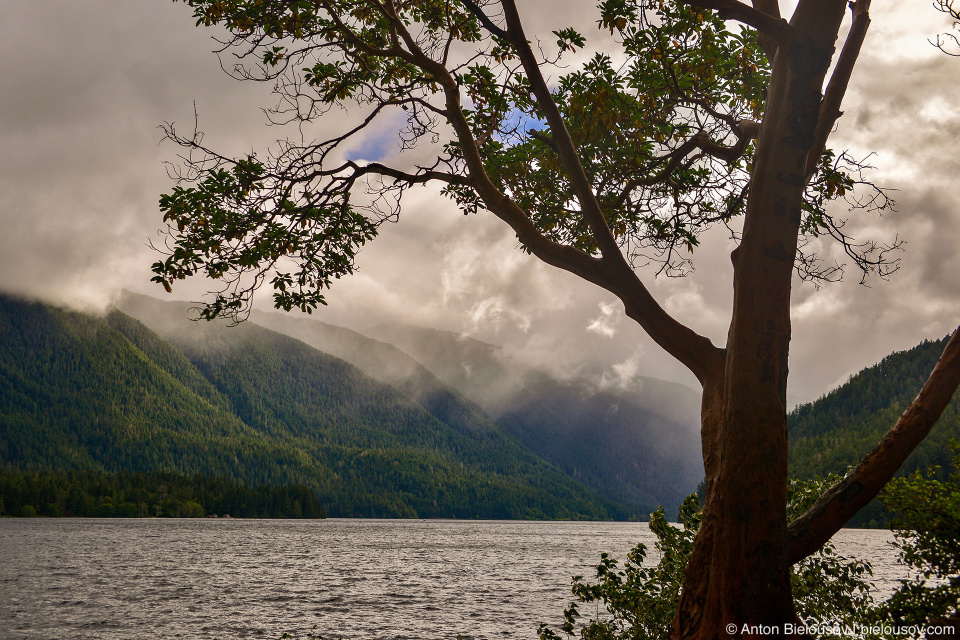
(386, 363)
(607, 438)
(76, 392)
(834, 432)
(108, 394)
(376, 437)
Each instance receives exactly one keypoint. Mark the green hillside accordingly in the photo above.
(836, 431)
(626, 453)
(110, 395)
(386, 363)
(376, 440)
(608, 439)
(75, 392)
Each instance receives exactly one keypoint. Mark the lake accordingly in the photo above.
(126, 579)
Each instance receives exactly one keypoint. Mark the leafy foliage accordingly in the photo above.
(225, 215)
(928, 533)
(652, 140)
(632, 125)
(827, 588)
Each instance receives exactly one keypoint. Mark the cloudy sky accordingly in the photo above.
(86, 84)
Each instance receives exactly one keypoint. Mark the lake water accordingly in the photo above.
(117, 579)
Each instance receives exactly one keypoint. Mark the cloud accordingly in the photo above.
(81, 171)
(606, 323)
(80, 165)
(623, 375)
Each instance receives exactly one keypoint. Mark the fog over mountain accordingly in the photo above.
(87, 84)
(618, 445)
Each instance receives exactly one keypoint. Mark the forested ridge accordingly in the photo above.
(608, 438)
(124, 494)
(626, 453)
(109, 395)
(96, 397)
(836, 431)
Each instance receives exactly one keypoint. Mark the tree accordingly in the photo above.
(616, 164)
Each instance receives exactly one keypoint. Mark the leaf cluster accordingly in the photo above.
(928, 533)
(231, 225)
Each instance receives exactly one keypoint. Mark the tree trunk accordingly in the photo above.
(737, 583)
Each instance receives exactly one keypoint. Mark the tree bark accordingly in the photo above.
(738, 581)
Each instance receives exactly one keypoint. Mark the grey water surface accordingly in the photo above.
(127, 579)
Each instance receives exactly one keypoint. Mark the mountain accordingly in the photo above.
(607, 438)
(75, 391)
(836, 431)
(386, 363)
(110, 394)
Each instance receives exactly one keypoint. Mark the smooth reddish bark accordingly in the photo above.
(738, 577)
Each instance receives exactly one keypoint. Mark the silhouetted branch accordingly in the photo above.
(948, 40)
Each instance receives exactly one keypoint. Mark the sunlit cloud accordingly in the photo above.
(606, 323)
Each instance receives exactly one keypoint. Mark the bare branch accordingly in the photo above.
(837, 86)
(945, 40)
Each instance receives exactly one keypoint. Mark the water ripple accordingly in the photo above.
(89, 579)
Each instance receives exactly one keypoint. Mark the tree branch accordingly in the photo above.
(693, 350)
(837, 86)
(564, 145)
(840, 502)
(944, 39)
(747, 130)
(767, 43)
(773, 26)
(422, 176)
(485, 20)
(553, 253)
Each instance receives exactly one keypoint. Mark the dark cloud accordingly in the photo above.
(87, 84)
